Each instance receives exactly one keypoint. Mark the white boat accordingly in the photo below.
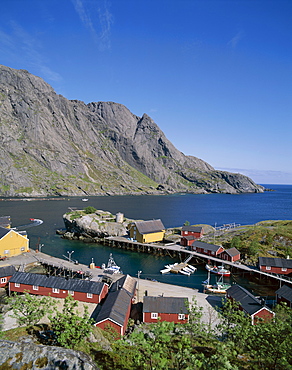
(218, 270)
(84, 200)
(188, 270)
(184, 272)
(192, 268)
(164, 271)
(112, 267)
(171, 266)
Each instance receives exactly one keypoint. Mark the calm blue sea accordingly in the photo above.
(173, 210)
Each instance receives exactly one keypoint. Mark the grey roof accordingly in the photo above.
(151, 226)
(207, 246)
(127, 283)
(165, 304)
(76, 285)
(247, 301)
(116, 304)
(286, 292)
(275, 262)
(7, 271)
(3, 231)
(195, 229)
(115, 307)
(188, 237)
(232, 252)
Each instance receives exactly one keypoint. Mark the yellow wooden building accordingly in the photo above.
(12, 243)
(147, 231)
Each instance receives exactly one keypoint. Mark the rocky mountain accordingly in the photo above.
(54, 146)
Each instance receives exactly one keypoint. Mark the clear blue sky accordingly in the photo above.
(216, 76)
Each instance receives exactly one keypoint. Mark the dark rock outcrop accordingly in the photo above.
(53, 146)
(27, 355)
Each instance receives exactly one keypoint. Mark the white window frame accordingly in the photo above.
(17, 285)
(284, 269)
(154, 315)
(35, 287)
(6, 251)
(71, 292)
(181, 316)
(268, 268)
(56, 290)
(3, 280)
(89, 295)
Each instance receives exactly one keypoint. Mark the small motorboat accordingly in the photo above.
(192, 268)
(164, 271)
(184, 272)
(218, 270)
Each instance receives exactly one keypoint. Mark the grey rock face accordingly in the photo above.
(53, 146)
(27, 355)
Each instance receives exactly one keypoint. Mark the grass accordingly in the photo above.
(271, 238)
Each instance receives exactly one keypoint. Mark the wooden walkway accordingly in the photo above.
(147, 248)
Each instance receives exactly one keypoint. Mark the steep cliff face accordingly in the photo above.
(53, 146)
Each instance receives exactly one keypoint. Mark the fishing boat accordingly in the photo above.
(218, 270)
(112, 267)
(218, 288)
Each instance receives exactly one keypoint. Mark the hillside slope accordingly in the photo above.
(53, 146)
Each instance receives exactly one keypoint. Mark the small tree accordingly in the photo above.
(89, 210)
(29, 309)
(70, 328)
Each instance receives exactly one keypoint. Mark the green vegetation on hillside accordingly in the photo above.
(231, 343)
(266, 238)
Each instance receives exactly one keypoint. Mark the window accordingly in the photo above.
(181, 316)
(6, 251)
(35, 287)
(56, 290)
(268, 268)
(205, 251)
(17, 285)
(22, 249)
(154, 315)
(3, 280)
(89, 295)
(284, 269)
(71, 292)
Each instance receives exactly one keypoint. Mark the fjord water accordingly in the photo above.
(173, 210)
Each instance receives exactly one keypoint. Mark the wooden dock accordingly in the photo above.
(185, 255)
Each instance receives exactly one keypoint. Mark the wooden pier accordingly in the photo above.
(184, 255)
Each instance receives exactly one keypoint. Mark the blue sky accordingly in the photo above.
(216, 76)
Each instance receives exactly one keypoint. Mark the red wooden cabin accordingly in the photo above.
(281, 266)
(58, 287)
(206, 248)
(171, 309)
(230, 255)
(284, 294)
(6, 273)
(190, 233)
(115, 310)
(249, 304)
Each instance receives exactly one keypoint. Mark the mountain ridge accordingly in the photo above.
(55, 146)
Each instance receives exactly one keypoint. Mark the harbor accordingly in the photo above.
(184, 255)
